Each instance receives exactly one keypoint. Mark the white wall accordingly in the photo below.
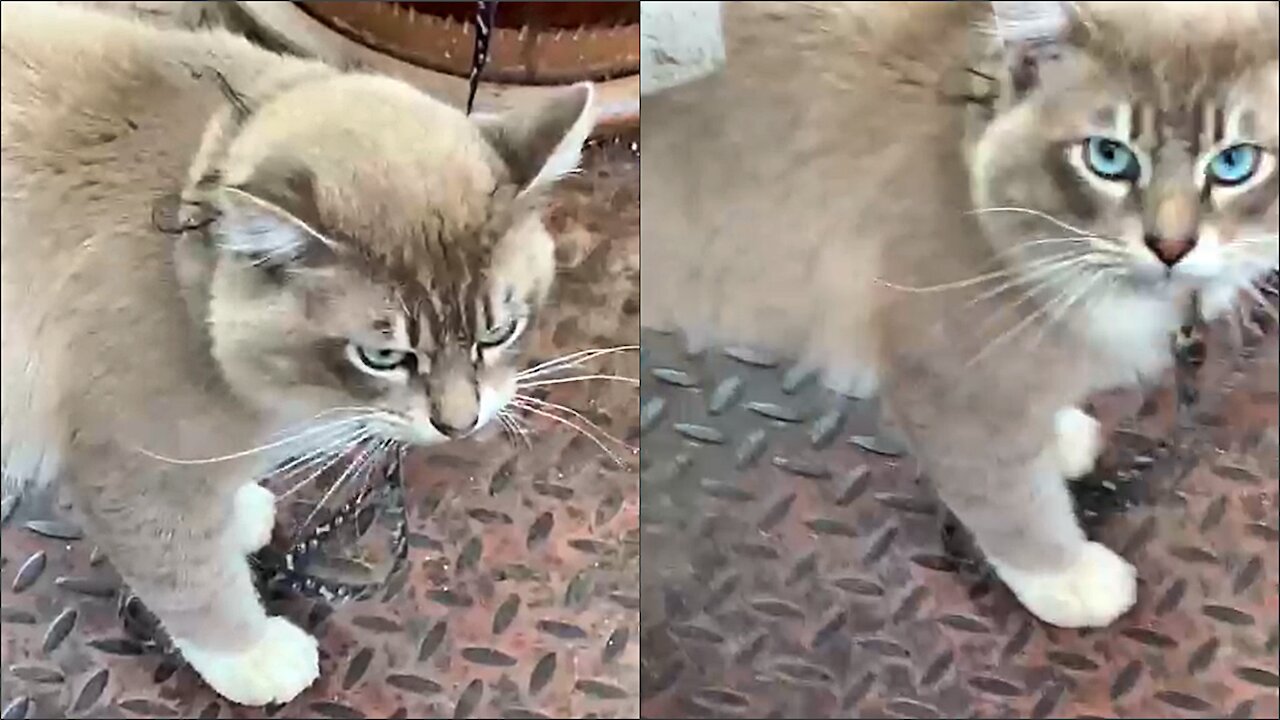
(679, 41)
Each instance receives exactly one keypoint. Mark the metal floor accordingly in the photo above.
(790, 571)
(520, 597)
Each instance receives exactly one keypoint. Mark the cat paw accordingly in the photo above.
(255, 517)
(1093, 592)
(1079, 440)
(859, 384)
(283, 663)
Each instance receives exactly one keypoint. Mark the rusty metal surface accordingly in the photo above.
(789, 572)
(520, 597)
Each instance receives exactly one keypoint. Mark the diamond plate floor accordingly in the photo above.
(790, 571)
(520, 597)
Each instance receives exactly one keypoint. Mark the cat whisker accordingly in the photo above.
(1060, 310)
(252, 451)
(320, 451)
(595, 426)
(1028, 320)
(352, 469)
(1027, 211)
(536, 411)
(514, 429)
(1067, 240)
(577, 378)
(571, 360)
(507, 431)
(1048, 270)
(333, 459)
(366, 412)
(1005, 271)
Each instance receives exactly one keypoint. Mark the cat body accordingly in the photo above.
(902, 194)
(216, 257)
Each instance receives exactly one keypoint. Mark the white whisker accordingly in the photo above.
(595, 426)
(246, 453)
(572, 360)
(578, 378)
(351, 469)
(1027, 211)
(1035, 272)
(318, 452)
(580, 430)
(359, 440)
(1025, 322)
(515, 429)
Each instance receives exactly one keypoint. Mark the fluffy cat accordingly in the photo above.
(982, 212)
(352, 264)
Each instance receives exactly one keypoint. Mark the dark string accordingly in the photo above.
(486, 14)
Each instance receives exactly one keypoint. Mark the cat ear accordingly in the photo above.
(544, 142)
(1030, 31)
(271, 218)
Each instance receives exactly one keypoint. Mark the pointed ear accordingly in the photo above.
(1030, 33)
(271, 219)
(542, 143)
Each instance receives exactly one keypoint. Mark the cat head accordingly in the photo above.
(375, 251)
(1136, 143)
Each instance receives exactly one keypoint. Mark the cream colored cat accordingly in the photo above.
(358, 264)
(983, 212)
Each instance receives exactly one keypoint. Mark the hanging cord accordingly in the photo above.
(486, 14)
(1189, 351)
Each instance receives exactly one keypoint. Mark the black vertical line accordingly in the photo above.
(486, 15)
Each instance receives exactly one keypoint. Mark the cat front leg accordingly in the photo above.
(179, 540)
(1022, 517)
(1000, 468)
(1079, 442)
(254, 517)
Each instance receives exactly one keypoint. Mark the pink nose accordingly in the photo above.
(1170, 250)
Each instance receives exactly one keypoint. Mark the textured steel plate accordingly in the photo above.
(791, 571)
(520, 597)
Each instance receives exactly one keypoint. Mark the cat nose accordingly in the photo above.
(1170, 250)
(452, 431)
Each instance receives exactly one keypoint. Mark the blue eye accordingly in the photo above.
(1111, 159)
(1234, 165)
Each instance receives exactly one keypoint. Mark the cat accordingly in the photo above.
(348, 263)
(980, 213)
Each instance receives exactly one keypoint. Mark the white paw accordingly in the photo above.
(283, 663)
(255, 517)
(1093, 592)
(1079, 442)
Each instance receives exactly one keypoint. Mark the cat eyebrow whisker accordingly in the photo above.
(557, 406)
(573, 359)
(578, 378)
(1036, 213)
(568, 423)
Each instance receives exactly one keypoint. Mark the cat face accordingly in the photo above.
(1157, 160)
(384, 257)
